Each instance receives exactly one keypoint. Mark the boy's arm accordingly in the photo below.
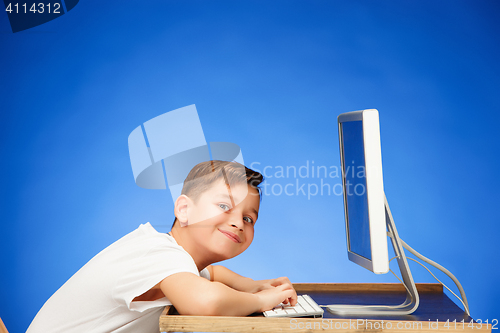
(229, 278)
(194, 295)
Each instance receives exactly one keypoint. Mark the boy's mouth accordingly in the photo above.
(231, 236)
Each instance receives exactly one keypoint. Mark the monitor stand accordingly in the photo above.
(412, 299)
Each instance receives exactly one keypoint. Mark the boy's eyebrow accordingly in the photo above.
(224, 196)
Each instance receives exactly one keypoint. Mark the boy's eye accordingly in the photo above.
(224, 207)
(248, 219)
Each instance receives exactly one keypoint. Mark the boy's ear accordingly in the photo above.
(181, 209)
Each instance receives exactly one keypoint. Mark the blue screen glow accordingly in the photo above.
(358, 228)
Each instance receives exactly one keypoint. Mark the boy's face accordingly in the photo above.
(222, 220)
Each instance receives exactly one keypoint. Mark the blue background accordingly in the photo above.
(271, 77)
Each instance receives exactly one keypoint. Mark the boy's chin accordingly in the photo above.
(225, 255)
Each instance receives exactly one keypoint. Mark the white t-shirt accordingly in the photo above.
(98, 298)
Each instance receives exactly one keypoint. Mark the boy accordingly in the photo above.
(125, 287)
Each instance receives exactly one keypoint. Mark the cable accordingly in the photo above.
(465, 306)
(441, 268)
(444, 285)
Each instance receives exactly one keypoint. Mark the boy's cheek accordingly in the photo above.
(208, 216)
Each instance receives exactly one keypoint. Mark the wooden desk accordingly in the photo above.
(432, 314)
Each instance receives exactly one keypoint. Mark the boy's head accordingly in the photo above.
(218, 208)
(205, 174)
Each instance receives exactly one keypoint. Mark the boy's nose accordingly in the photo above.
(237, 221)
(239, 227)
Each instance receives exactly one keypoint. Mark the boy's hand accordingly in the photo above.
(269, 292)
(276, 291)
(283, 293)
(272, 283)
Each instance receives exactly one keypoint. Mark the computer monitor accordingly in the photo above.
(364, 208)
(368, 218)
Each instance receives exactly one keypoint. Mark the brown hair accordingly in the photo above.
(204, 174)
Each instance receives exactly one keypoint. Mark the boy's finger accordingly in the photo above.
(285, 287)
(283, 278)
(289, 297)
(293, 297)
(275, 283)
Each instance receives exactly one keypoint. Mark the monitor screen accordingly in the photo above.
(364, 198)
(358, 228)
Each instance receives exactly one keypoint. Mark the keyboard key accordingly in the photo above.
(300, 309)
(308, 307)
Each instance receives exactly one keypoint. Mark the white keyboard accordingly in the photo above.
(305, 307)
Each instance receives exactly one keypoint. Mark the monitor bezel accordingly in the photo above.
(379, 264)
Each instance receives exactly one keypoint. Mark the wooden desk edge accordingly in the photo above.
(366, 287)
(178, 323)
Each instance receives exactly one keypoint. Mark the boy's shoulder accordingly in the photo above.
(139, 256)
(144, 237)
(145, 232)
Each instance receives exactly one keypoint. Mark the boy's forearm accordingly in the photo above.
(235, 281)
(194, 295)
(230, 302)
